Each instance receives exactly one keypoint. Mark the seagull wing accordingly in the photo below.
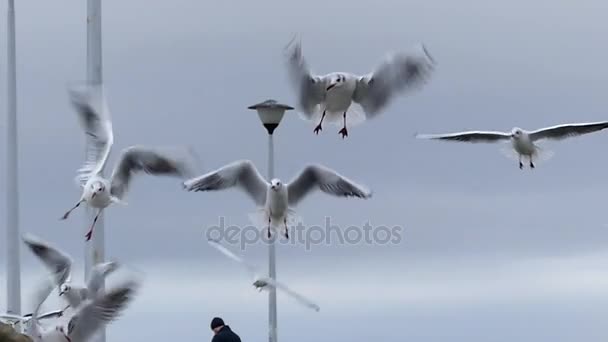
(319, 177)
(98, 275)
(303, 300)
(215, 244)
(91, 106)
(56, 261)
(471, 137)
(137, 159)
(43, 290)
(568, 130)
(242, 174)
(100, 311)
(51, 314)
(310, 88)
(396, 74)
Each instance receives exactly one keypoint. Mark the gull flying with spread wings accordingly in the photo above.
(522, 141)
(60, 265)
(90, 317)
(97, 191)
(275, 197)
(262, 282)
(329, 97)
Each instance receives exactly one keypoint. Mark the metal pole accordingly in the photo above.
(272, 270)
(94, 249)
(13, 267)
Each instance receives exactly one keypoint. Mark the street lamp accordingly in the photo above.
(271, 112)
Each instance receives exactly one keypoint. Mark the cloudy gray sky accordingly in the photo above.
(487, 252)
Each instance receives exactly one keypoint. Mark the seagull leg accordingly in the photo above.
(65, 216)
(344, 131)
(521, 165)
(531, 163)
(319, 128)
(286, 229)
(90, 232)
(269, 226)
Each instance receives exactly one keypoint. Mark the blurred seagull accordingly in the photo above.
(275, 197)
(330, 96)
(93, 315)
(522, 141)
(262, 282)
(100, 192)
(60, 265)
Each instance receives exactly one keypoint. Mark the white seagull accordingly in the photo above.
(93, 315)
(98, 191)
(262, 282)
(275, 197)
(522, 141)
(60, 265)
(329, 97)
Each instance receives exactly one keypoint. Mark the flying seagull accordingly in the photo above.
(97, 191)
(277, 198)
(330, 97)
(60, 265)
(93, 315)
(262, 282)
(522, 141)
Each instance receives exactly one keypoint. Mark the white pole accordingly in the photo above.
(13, 267)
(94, 249)
(272, 270)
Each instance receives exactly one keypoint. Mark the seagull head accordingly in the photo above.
(96, 188)
(260, 284)
(275, 184)
(64, 288)
(516, 132)
(335, 81)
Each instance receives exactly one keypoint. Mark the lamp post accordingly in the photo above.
(95, 249)
(13, 267)
(271, 112)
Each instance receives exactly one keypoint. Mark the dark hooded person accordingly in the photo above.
(222, 332)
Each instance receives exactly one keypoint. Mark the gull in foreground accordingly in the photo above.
(262, 282)
(522, 141)
(97, 191)
(90, 317)
(60, 265)
(275, 197)
(329, 97)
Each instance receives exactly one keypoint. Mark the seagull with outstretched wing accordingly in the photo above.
(330, 97)
(97, 191)
(59, 263)
(522, 141)
(262, 282)
(275, 197)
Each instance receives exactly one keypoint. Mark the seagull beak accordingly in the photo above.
(93, 195)
(331, 86)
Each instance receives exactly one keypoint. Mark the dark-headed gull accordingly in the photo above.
(329, 97)
(276, 197)
(522, 141)
(60, 265)
(97, 191)
(262, 282)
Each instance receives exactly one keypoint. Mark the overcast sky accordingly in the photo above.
(487, 252)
